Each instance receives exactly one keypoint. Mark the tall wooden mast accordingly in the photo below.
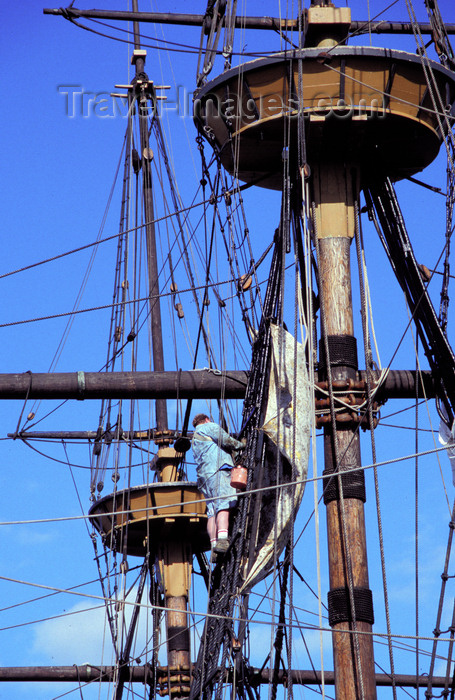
(167, 534)
(349, 599)
(144, 93)
(335, 184)
(359, 125)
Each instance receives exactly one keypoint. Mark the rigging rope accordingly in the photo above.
(211, 27)
(369, 367)
(219, 631)
(447, 58)
(440, 36)
(432, 336)
(381, 199)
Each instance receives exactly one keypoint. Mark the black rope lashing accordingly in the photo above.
(353, 485)
(342, 352)
(339, 605)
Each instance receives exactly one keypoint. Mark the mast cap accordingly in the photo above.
(138, 53)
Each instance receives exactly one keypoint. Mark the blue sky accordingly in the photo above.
(57, 174)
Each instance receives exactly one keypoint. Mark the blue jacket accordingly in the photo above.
(208, 442)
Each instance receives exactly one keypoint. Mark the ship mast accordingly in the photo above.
(173, 554)
(171, 535)
(350, 602)
(145, 91)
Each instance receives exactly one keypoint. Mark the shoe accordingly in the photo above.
(221, 546)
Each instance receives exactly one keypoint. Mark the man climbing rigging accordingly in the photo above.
(213, 465)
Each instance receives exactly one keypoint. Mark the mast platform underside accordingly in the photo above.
(140, 519)
(366, 106)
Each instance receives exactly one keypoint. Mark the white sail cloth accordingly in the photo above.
(287, 423)
(447, 438)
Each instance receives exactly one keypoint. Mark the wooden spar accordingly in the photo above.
(348, 568)
(144, 96)
(205, 384)
(174, 557)
(270, 23)
(142, 674)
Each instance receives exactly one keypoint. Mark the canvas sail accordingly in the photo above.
(287, 427)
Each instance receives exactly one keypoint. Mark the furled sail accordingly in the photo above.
(286, 428)
(447, 438)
